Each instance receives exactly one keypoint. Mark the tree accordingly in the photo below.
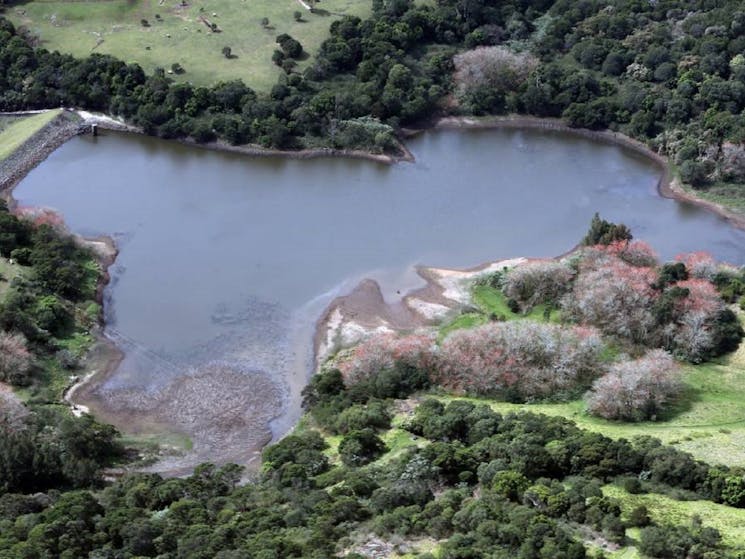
(604, 232)
(537, 282)
(636, 390)
(16, 360)
(519, 360)
(614, 297)
(361, 447)
(486, 74)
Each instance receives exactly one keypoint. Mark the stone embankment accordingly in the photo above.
(37, 148)
(40, 145)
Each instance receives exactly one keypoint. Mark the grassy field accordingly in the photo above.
(176, 34)
(8, 272)
(14, 131)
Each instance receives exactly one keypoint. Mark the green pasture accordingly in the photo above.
(178, 32)
(8, 272)
(14, 131)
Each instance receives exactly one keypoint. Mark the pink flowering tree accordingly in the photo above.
(613, 296)
(521, 359)
(384, 352)
(699, 265)
(635, 253)
(636, 390)
(697, 319)
(16, 360)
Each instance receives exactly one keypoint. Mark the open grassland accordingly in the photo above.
(8, 272)
(709, 422)
(664, 510)
(14, 131)
(176, 32)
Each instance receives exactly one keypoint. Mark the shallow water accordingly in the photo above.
(231, 259)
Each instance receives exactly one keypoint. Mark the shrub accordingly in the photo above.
(636, 390)
(16, 361)
(519, 360)
(361, 447)
(537, 282)
(374, 415)
(384, 352)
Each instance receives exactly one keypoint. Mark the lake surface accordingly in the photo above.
(226, 261)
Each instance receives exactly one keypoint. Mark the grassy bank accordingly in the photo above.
(14, 131)
(8, 272)
(175, 33)
(729, 195)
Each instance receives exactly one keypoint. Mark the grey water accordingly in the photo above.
(222, 254)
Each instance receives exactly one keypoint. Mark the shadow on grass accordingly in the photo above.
(682, 404)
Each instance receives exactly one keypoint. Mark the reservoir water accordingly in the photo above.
(226, 261)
